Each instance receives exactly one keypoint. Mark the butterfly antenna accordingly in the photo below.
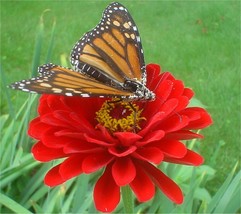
(180, 117)
(114, 101)
(164, 77)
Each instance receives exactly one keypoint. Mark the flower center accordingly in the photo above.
(120, 116)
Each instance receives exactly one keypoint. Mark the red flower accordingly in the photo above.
(128, 141)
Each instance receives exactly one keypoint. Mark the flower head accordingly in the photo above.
(127, 140)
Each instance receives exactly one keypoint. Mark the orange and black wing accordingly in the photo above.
(54, 79)
(111, 53)
(108, 62)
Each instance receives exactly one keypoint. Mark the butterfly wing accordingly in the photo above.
(111, 52)
(109, 62)
(54, 79)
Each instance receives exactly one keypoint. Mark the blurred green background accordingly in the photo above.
(198, 41)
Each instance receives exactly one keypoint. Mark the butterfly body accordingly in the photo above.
(140, 91)
(107, 61)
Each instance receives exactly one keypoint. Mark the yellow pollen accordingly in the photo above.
(120, 116)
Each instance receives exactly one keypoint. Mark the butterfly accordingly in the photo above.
(107, 62)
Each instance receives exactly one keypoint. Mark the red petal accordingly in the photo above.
(150, 154)
(105, 134)
(152, 122)
(173, 148)
(204, 120)
(182, 135)
(191, 114)
(81, 123)
(43, 107)
(45, 154)
(53, 177)
(69, 133)
(151, 137)
(71, 167)
(153, 71)
(123, 171)
(84, 107)
(127, 138)
(174, 123)
(72, 120)
(122, 151)
(106, 192)
(142, 186)
(188, 93)
(51, 120)
(95, 161)
(177, 89)
(51, 140)
(191, 158)
(43, 97)
(170, 77)
(182, 103)
(156, 84)
(37, 129)
(169, 106)
(97, 141)
(164, 90)
(80, 147)
(169, 187)
(55, 103)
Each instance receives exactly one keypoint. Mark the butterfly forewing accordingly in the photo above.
(112, 51)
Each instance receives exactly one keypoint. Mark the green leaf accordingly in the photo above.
(228, 195)
(35, 187)
(202, 194)
(127, 198)
(81, 193)
(234, 202)
(67, 204)
(11, 173)
(12, 205)
(195, 102)
(6, 93)
(38, 45)
(221, 195)
(51, 43)
(3, 120)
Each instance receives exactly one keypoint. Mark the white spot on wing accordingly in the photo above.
(68, 94)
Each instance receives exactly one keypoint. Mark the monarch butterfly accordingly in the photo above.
(108, 61)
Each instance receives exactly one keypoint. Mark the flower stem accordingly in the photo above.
(127, 199)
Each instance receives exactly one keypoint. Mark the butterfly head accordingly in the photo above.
(141, 92)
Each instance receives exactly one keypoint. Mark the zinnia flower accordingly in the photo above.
(127, 141)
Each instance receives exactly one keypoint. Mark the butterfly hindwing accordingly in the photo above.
(112, 51)
(55, 79)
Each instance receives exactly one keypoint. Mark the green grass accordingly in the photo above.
(198, 41)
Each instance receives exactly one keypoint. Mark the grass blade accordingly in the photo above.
(219, 194)
(6, 93)
(51, 44)
(12, 205)
(228, 195)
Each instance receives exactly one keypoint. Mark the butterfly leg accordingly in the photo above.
(114, 101)
(134, 117)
